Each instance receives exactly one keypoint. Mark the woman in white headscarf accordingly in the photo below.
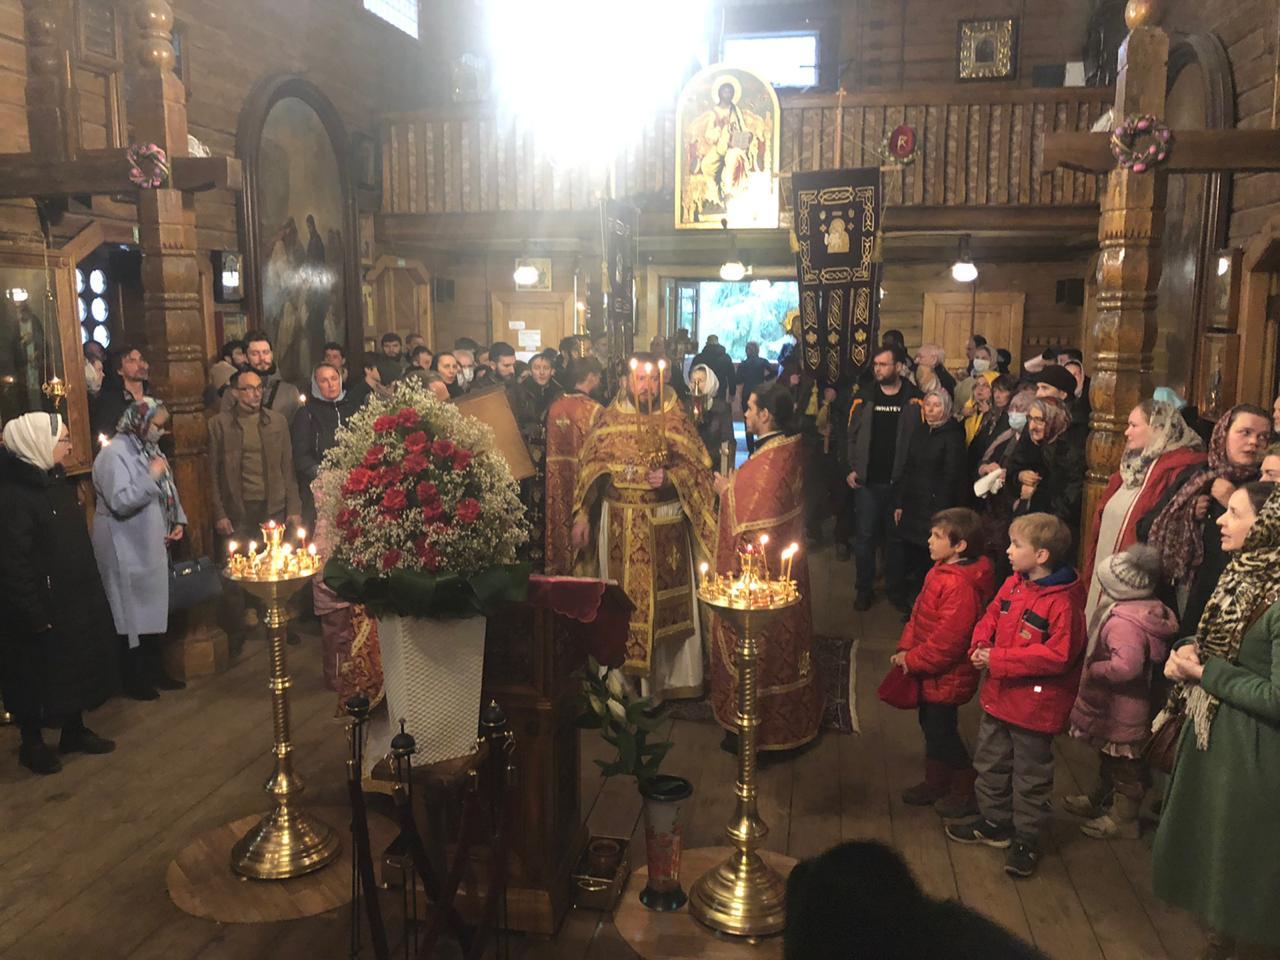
(712, 416)
(57, 643)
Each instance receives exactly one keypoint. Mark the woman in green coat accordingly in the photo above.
(1217, 853)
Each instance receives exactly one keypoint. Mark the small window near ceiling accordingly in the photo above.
(784, 59)
(401, 14)
(92, 286)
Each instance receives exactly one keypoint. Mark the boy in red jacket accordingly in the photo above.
(1031, 643)
(935, 648)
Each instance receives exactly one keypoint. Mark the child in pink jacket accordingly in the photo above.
(1129, 634)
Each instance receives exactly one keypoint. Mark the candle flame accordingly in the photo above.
(791, 551)
(103, 439)
(703, 567)
(253, 546)
(302, 534)
(311, 549)
(662, 364)
(287, 549)
(764, 539)
(634, 363)
(232, 546)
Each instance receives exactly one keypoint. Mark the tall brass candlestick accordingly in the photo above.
(744, 896)
(286, 842)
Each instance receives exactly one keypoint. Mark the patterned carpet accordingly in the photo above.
(836, 664)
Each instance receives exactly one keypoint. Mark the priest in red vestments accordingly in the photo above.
(766, 497)
(569, 421)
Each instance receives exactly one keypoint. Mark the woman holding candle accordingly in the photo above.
(761, 512)
(138, 517)
(57, 643)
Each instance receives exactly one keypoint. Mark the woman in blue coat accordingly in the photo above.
(137, 517)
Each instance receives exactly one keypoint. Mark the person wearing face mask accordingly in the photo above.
(57, 645)
(1217, 850)
(1185, 530)
(1047, 469)
(314, 431)
(466, 367)
(983, 363)
(139, 516)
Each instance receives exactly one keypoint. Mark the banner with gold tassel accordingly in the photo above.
(836, 216)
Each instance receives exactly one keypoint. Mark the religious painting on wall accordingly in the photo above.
(988, 49)
(303, 249)
(727, 123)
(1219, 361)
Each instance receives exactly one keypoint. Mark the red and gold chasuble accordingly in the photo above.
(569, 421)
(648, 542)
(765, 496)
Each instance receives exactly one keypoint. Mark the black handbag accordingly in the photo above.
(192, 582)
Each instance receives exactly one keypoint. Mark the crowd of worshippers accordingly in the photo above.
(1164, 603)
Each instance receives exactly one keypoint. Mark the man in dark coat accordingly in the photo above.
(124, 385)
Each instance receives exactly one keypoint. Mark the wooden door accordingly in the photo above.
(532, 320)
(950, 319)
(399, 298)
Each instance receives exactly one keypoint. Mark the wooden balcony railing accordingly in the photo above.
(979, 146)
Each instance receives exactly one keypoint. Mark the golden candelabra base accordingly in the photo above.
(744, 896)
(286, 842)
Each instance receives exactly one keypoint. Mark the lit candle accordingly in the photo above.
(232, 547)
(302, 535)
(103, 439)
(764, 556)
(702, 571)
(662, 369)
(253, 555)
(635, 396)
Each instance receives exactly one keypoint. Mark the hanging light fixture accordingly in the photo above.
(526, 274)
(54, 387)
(733, 269)
(963, 270)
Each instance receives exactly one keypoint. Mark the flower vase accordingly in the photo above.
(664, 800)
(432, 670)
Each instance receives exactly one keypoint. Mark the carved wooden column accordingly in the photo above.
(48, 108)
(171, 308)
(1129, 233)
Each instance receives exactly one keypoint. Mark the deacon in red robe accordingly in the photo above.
(569, 421)
(766, 496)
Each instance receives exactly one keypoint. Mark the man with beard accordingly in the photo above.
(881, 423)
(645, 487)
(278, 394)
(125, 386)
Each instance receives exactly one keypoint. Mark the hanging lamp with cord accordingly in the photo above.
(963, 270)
(54, 387)
(733, 269)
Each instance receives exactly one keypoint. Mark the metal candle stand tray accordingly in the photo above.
(601, 893)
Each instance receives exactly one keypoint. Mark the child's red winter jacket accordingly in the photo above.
(1036, 633)
(936, 638)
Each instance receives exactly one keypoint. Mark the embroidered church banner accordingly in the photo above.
(837, 217)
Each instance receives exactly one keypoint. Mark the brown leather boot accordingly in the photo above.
(937, 779)
(960, 800)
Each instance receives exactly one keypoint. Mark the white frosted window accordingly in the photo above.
(785, 60)
(401, 14)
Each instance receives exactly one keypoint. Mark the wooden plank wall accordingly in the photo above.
(362, 64)
(978, 146)
(1250, 30)
(905, 43)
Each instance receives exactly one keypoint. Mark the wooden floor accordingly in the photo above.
(83, 854)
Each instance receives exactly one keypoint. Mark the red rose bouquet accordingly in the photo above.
(422, 511)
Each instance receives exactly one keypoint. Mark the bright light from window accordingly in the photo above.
(526, 275)
(401, 14)
(103, 336)
(99, 309)
(84, 311)
(785, 60)
(17, 294)
(79, 280)
(586, 76)
(97, 281)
